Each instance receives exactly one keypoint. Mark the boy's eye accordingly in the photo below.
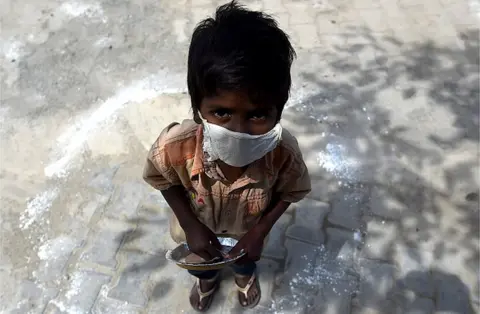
(258, 116)
(222, 114)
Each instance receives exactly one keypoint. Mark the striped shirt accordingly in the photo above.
(177, 158)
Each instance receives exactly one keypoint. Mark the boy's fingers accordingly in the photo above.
(213, 252)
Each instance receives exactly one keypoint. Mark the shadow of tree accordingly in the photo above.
(399, 123)
(450, 293)
(161, 289)
(145, 246)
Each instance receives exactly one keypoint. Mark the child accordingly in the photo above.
(232, 171)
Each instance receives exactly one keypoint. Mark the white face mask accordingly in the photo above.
(238, 149)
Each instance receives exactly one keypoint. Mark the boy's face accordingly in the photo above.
(234, 111)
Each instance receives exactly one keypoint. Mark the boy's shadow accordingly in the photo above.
(450, 294)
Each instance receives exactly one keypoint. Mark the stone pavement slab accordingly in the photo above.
(308, 223)
(342, 245)
(348, 208)
(275, 248)
(103, 244)
(80, 294)
(384, 105)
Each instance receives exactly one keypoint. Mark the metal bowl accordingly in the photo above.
(178, 255)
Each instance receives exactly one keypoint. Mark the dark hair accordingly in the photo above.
(240, 50)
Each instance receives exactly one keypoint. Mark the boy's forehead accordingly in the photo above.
(233, 100)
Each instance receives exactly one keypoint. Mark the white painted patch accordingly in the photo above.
(357, 236)
(475, 7)
(67, 304)
(3, 116)
(67, 309)
(12, 49)
(179, 27)
(327, 271)
(71, 142)
(298, 95)
(105, 304)
(336, 161)
(56, 248)
(102, 42)
(78, 8)
(37, 206)
(323, 5)
(75, 283)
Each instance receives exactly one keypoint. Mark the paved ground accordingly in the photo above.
(386, 109)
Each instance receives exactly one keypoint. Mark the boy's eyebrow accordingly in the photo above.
(213, 106)
(252, 111)
(261, 110)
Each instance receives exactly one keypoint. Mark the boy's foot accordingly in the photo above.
(201, 295)
(249, 293)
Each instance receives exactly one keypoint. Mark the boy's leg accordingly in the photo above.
(206, 274)
(247, 284)
(201, 295)
(246, 269)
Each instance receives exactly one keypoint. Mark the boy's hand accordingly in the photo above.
(251, 243)
(203, 242)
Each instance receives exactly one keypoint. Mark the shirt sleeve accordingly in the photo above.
(158, 170)
(294, 180)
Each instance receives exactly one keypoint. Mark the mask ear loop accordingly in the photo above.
(196, 116)
(201, 118)
(207, 146)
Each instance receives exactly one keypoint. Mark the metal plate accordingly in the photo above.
(178, 255)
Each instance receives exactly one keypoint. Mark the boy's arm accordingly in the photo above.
(160, 174)
(201, 240)
(252, 241)
(271, 215)
(178, 202)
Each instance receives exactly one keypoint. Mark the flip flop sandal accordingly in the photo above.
(253, 280)
(202, 295)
